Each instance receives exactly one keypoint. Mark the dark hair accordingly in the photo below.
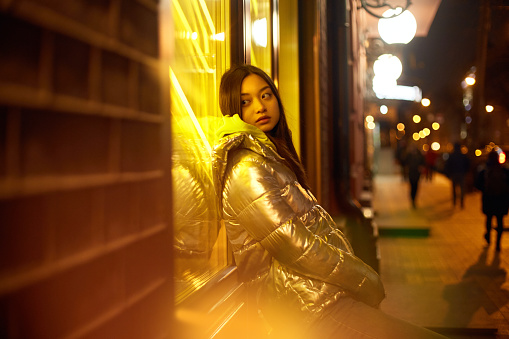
(280, 135)
(493, 159)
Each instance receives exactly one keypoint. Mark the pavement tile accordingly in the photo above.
(447, 279)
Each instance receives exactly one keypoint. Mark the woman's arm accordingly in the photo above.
(255, 198)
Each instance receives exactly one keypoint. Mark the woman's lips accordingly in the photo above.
(263, 119)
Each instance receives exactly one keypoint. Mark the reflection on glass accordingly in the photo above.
(200, 59)
(261, 33)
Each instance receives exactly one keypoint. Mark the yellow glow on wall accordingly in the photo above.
(181, 96)
(261, 35)
(200, 57)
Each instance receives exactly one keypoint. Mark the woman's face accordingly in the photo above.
(260, 107)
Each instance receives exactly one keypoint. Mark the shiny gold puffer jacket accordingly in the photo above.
(285, 245)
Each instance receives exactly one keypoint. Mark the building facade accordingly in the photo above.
(103, 104)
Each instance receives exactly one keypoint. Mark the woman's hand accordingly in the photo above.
(371, 290)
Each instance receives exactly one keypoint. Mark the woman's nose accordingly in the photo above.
(260, 106)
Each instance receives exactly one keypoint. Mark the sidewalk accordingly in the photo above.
(434, 263)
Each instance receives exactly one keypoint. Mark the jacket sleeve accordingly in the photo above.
(257, 200)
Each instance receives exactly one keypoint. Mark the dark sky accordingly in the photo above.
(439, 62)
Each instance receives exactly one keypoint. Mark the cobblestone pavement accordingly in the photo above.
(446, 278)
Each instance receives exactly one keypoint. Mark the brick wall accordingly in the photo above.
(85, 236)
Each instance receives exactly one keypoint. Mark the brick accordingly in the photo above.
(59, 305)
(56, 144)
(147, 261)
(71, 67)
(3, 141)
(21, 44)
(24, 233)
(152, 202)
(139, 27)
(5, 320)
(115, 79)
(149, 87)
(140, 146)
(122, 211)
(148, 318)
(94, 14)
(73, 218)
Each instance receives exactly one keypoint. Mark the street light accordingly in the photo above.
(397, 26)
(371, 6)
(470, 80)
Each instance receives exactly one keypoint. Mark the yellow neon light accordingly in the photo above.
(182, 96)
(199, 52)
(201, 25)
(207, 16)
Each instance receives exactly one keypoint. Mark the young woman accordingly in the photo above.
(289, 252)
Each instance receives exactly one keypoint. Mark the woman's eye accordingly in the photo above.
(266, 95)
(244, 102)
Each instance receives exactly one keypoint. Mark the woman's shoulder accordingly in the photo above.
(243, 142)
(242, 149)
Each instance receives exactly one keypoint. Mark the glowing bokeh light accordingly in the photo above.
(416, 136)
(397, 30)
(370, 118)
(478, 152)
(470, 80)
(425, 102)
(416, 118)
(435, 146)
(260, 32)
(218, 37)
(435, 126)
(388, 66)
(384, 109)
(489, 108)
(401, 126)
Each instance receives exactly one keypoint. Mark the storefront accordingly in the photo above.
(291, 41)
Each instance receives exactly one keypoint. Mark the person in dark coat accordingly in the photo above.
(414, 161)
(456, 168)
(493, 181)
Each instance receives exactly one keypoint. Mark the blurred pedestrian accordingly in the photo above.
(415, 162)
(493, 182)
(431, 158)
(400, 156)
(456, 168)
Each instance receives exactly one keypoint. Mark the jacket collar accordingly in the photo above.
(236, 134)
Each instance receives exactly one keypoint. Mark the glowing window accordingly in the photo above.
(201, 56)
